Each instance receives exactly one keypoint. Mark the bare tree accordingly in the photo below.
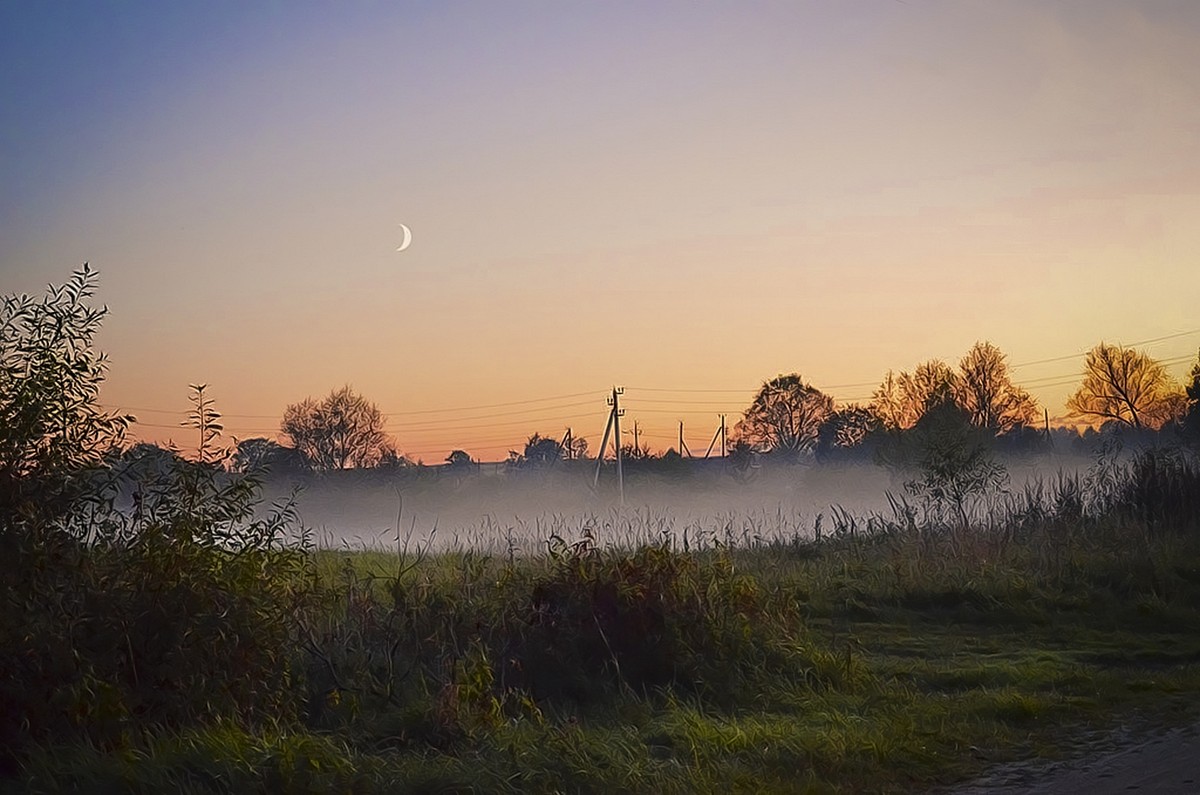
(343, 431)
(785, 416)
(984, 389)
(1126, 386)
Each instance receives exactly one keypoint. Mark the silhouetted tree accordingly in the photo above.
(51, 424)
(343, 431)
(1191, 417)
(148, 458)
(952, 458)
(902, 399)
(784, 417)
(262, 454)
(459, 460)
(984, 389)
(742, 459)
(391, 459)
(540, 451)
(1128, 387)
(631, 453)
(847, 428)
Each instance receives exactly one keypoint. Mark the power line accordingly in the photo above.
(447, 410)
(231, 427)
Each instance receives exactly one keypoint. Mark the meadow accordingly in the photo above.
(894, 651)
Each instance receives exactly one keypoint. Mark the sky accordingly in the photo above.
(684, 199)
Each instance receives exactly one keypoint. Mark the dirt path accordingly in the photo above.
(1164, 763)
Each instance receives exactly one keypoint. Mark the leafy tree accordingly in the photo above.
(259, 454)
(343, 431)
(149, 457)
(785, 416)
(392, 460)
(952, 459)
(52, 430)
(540, 451)
(459, 460)
(903, 399)
(847, 428)
(1128, 387)
(1191, 417)
(984, 388)
(105, 605)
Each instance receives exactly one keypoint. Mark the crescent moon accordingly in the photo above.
(407, 238)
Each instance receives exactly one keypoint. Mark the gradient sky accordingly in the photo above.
(667, 196)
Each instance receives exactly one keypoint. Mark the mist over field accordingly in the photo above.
(496, 508)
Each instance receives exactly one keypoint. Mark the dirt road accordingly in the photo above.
(1164, 763)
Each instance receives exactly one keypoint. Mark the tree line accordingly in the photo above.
(790, 419)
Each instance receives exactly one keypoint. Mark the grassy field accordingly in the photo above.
(892, 655)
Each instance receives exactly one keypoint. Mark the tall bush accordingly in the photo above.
(135, 596)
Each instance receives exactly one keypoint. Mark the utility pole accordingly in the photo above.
(617, 413)
(683, 448)
(724, 447)
(613, 427)
(566, 445)
(636, 448)
(713, 443)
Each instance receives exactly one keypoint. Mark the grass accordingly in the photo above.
(889, 655)
(890, 662)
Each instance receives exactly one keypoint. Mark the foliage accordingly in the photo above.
(459, 460)
(641, 452)
(952, 459)
(342, 431)
(867, 661)
(52, 431)
(146, 458)
(1160, 489)
(903, 399)
(984, 388)
(151, 595)
(259, 454)
(785, 416)
(1128, 387)
(845, 429)
(157, 634)
(1191, 417)
(539, 452)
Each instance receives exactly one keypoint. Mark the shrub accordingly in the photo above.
(135, 595)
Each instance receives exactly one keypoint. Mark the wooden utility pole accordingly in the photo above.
(720, 434)
(617, 413)
(613, 427)
(566, 445)
(683, 448)
(713, 443)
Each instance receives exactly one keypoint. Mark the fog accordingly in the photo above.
(497, 509)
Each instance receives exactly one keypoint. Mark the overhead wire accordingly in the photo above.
(632, 402)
